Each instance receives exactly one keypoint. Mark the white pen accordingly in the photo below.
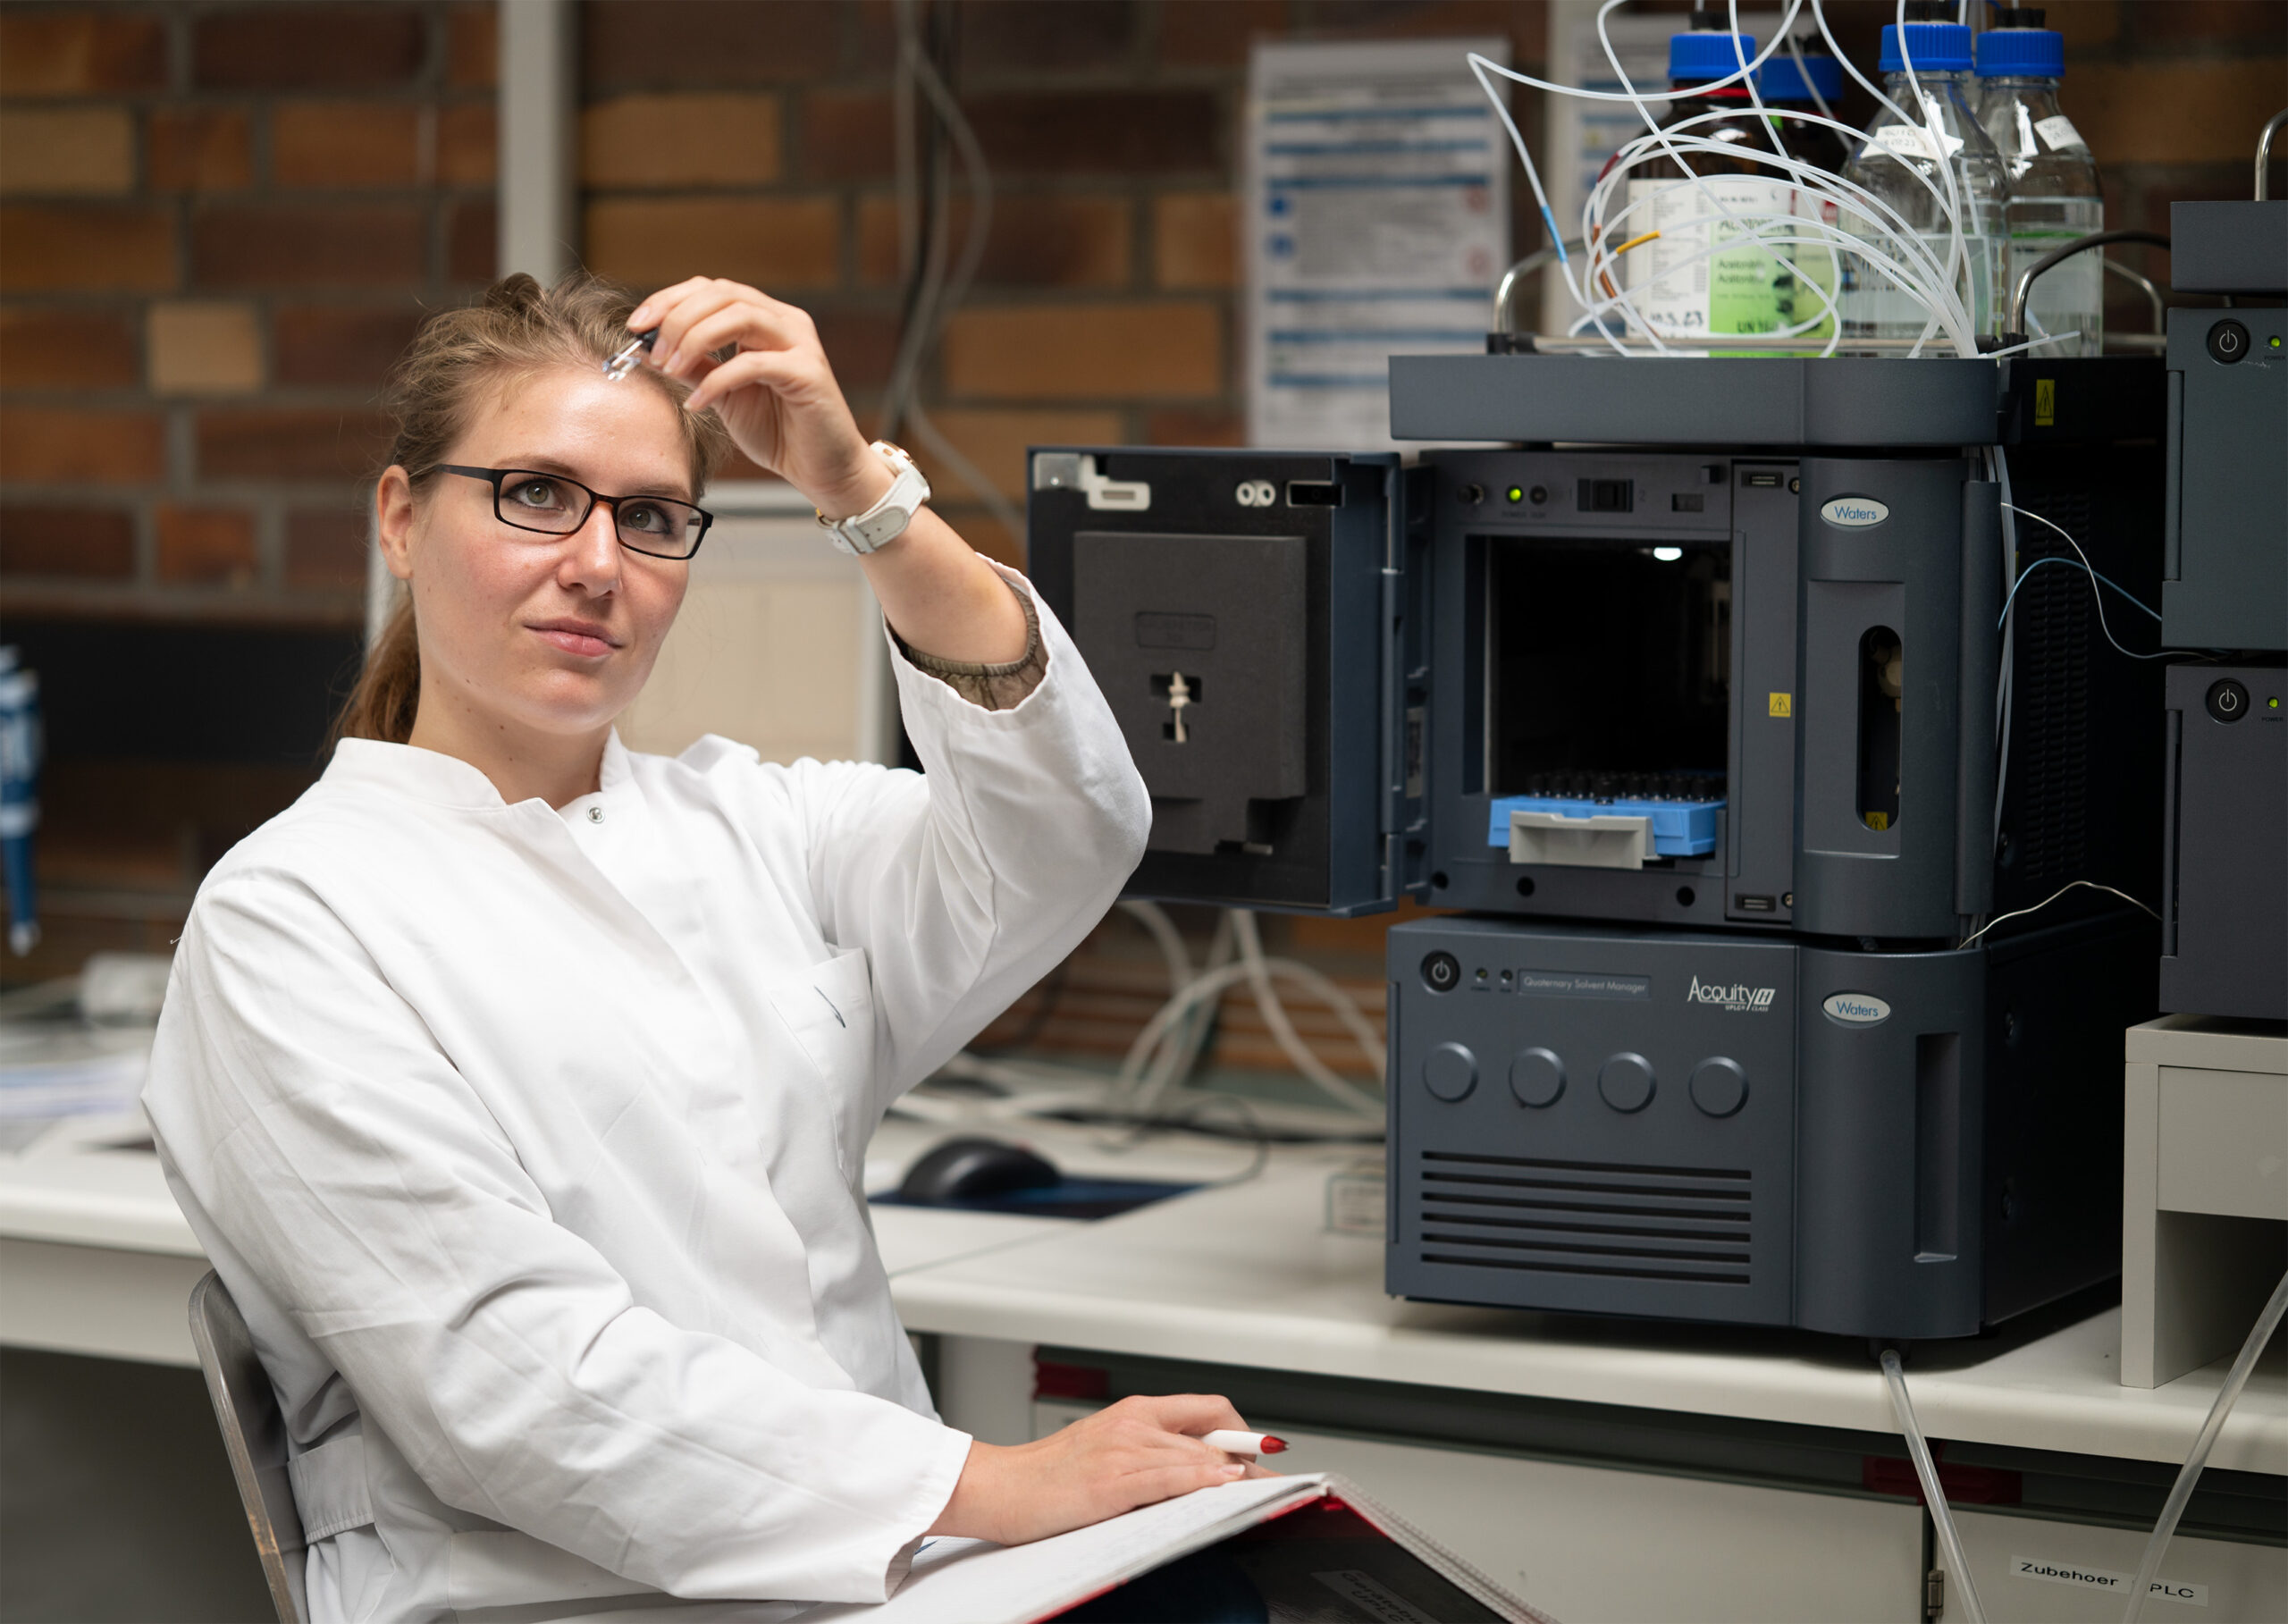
(1244, 1442)
(630, 356)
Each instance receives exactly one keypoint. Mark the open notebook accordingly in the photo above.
(1309, 1548)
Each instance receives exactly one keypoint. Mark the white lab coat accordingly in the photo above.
(530, 1141)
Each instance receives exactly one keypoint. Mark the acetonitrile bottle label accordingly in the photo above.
(1681, 292)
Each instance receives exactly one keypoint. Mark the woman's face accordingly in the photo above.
(554, 633)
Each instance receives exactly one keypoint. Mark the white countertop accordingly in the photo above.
(913, 1238)
(92, 1180)
(1245, 1274)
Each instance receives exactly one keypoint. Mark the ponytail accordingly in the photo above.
(389, 688)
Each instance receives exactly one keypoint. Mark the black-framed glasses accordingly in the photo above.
(533, 498)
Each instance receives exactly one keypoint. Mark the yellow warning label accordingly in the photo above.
(2045, 402)
(1783, 704)
(1878, 820)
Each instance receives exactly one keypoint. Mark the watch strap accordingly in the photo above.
(888, 518)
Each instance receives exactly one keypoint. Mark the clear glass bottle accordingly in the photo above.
(1787, 88)
(1875, 305)
(2053, 191)
(1680, 289)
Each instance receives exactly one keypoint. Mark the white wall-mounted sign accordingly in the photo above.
(1376, 221)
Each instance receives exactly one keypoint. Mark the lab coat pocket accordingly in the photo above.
(830, 1011)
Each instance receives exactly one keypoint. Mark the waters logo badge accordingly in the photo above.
(1853, 512)
(1857, 1008)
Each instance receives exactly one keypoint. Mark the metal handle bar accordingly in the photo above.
(2143, 284)
(2263, 154)
(1516, 274)
(2095, 240)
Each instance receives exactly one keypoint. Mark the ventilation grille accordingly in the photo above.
(2056, 631)
(1613, 1221)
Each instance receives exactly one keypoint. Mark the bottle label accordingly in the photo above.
(2059, 132)
(1705, 273)
(1907, 141)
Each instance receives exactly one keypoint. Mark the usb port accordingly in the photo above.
(1314, 493)
(1765, 480)
(1685, 502)
(1746, 903)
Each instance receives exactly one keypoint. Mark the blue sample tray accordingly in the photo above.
(1680, 829)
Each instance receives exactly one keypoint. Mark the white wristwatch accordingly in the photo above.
(886, 519)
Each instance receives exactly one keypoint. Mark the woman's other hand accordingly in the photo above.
(1133, 1453)
(776, 395)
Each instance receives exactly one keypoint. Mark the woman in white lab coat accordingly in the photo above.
(519, 1086)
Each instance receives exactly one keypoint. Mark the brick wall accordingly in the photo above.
(754, 141)
(217, 225)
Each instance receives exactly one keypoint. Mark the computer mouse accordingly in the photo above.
(973, 1168)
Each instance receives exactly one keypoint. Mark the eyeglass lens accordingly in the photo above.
(532, 501)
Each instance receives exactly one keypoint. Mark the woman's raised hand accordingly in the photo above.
(1128, 1454)
(776, 395)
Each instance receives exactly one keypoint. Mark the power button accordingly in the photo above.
(2228, 700)
(2228, 341)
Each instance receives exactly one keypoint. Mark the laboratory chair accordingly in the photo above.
(254, 1435)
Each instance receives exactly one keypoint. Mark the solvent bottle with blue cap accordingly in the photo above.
(2055, 196)
(1894, 160)
(1690, 258)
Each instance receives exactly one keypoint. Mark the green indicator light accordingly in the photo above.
(1517, 493)
(2273, 703)
(2275, 342)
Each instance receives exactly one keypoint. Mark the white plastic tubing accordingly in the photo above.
(1167, 1050)
(1164, 1052)
(1950, 1544)
(2149, 1568)
(1881, 237)
(2181, 1492)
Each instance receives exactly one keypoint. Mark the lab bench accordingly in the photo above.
(1609, 1469)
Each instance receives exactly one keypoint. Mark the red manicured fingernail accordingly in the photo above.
(1273, 1446)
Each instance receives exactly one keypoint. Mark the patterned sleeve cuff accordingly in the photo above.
(991, 687)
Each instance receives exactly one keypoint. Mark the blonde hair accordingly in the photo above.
(518, 328)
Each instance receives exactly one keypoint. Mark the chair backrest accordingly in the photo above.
(254, 1435)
